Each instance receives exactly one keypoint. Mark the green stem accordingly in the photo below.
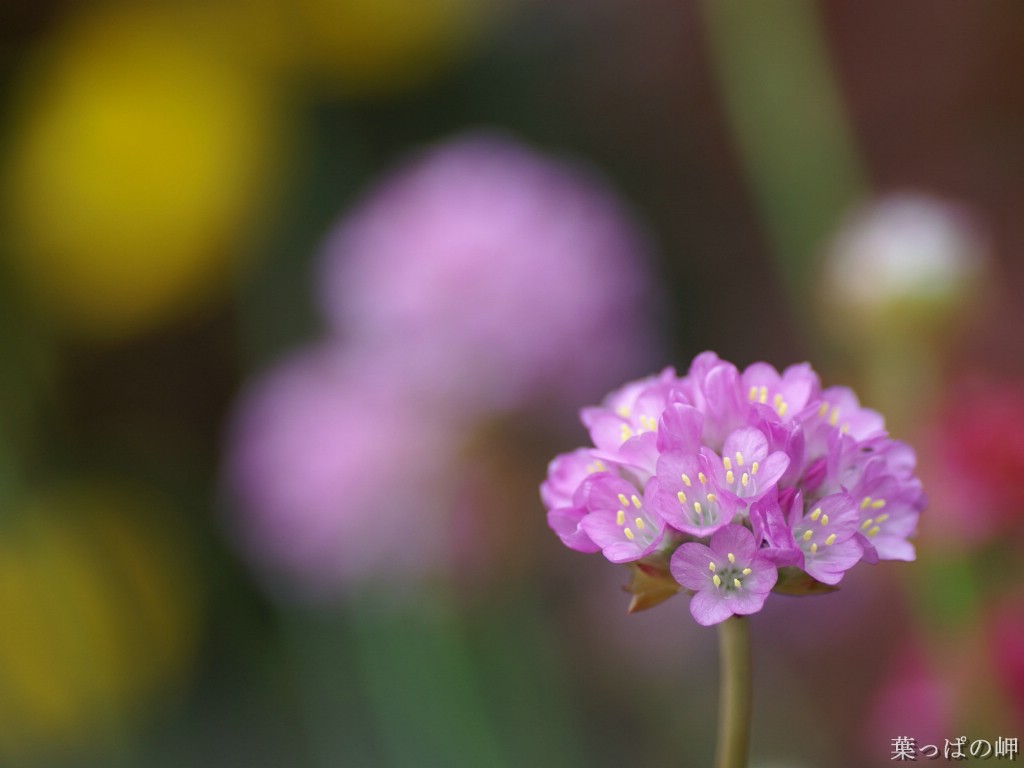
(735, 693)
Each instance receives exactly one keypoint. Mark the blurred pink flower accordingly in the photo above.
(481, 277)
(341, 472)
(978, 465)
(501, 277)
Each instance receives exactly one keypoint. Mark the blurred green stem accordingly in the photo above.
(422, 685)
(789, 123)
(734, 693)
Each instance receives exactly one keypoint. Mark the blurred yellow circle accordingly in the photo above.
(139, 155)
(100, 612)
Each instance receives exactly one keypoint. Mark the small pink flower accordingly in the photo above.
(619, 521)
(729, 576)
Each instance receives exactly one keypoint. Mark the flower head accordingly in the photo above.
(731, 476)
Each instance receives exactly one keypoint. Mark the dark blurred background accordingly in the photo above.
(299, 298)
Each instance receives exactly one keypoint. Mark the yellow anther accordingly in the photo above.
(682, 497)
(816, 514)
(747, 571)
(878, 504)
(727, 462)
(866, 524)
(874, 531)
(640, 523)
(697, 508)
(778, 401)
(623, 411)
(703, 478)
(737, 583)
(845, 428)
(623, 500)
(730, 478)
(620, 519)
(763, 398)
(745, 479)
(636, 502)
(732, 557)
(627, 432)
(739, 458)
(686, 481)
(808, 535)
(601, 467)
(783, 408)
(754, 467)
(712, 498)
(830, 540)
(717, 579)
(866, 503)
(824, 519)
(882, 517)
(834, 418)
(753, 392)
(711, 566)
(823, 410)
(814, 548)
(629, 534)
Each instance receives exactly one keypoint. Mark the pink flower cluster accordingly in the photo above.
(735, 478)
(479, 278)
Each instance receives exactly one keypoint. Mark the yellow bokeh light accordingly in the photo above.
(140, 154)
(100, 613)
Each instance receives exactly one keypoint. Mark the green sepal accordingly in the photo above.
(650, 583)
